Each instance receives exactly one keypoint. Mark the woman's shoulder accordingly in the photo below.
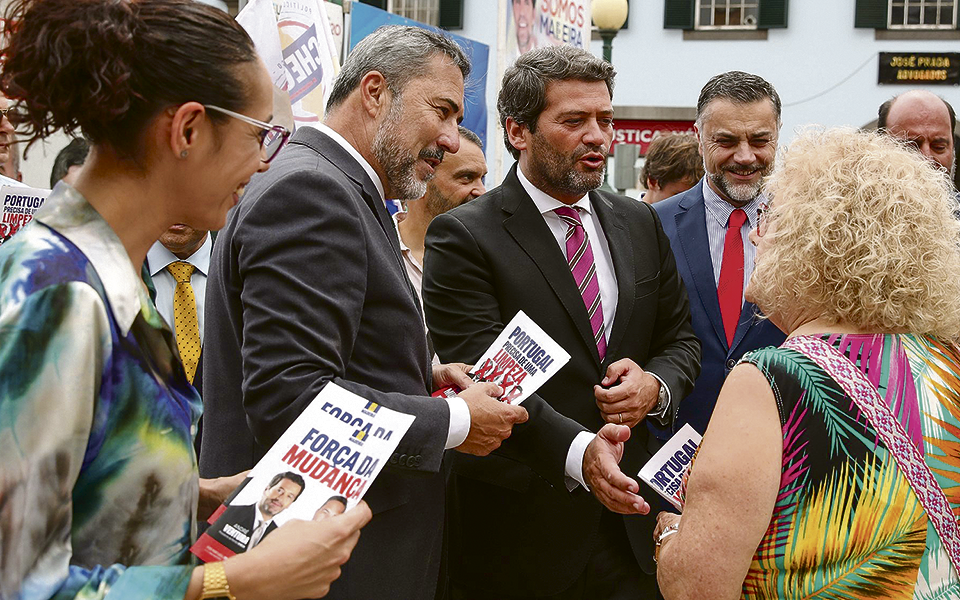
(38, 258)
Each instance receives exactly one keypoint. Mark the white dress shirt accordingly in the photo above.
(158, 257)
(459, 426)
(606, 278)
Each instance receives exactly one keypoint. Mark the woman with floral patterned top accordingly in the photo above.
(98, 485)
(795, 493)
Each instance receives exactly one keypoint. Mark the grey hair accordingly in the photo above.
(740, 88)
(470, 136)
(523, 92)
(399, 53)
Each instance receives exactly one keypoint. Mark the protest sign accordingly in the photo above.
(324, 462)
(520, 360)
(20, 203)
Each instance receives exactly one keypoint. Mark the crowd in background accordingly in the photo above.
(796, 306)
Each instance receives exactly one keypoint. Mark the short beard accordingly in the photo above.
(742, 193)
(557, 172)
(399, 164)
(435, 203)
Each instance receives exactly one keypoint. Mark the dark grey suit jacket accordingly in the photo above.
(511, 532)
(307, 287)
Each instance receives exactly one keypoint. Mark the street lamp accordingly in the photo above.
(609, 16)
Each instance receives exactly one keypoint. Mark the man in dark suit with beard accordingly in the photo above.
(595, 271)
(307, 287)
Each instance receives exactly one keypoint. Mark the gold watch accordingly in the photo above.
(215, 582)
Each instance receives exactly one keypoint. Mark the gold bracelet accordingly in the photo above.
(215, 582)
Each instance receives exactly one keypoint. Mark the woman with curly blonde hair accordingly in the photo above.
(831, 466)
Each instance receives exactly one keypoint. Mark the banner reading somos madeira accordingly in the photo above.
(537, 23)
(293, 38)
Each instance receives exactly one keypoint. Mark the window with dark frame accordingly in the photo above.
(922, 14)
(424, 11)
(727, 14)
(744, 16)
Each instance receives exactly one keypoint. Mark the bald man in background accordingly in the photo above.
(925, 120)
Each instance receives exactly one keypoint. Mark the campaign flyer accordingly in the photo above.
(20, 203)
(666, 471)
(520, 360)
(323, 463)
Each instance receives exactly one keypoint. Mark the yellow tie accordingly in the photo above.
(185, 320)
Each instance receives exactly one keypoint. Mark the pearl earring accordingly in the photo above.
(183, 154)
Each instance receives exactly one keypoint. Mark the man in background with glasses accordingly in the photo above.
(8, 153)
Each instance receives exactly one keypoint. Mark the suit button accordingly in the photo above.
(731, 363)
(402, 460)
(415, 461)
(393, 458)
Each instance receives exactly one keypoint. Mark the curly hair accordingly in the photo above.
(864, 235)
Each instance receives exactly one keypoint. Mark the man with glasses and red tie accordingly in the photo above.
(738, 123)
(595, 271)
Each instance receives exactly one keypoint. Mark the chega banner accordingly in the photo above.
(537, 23)
(294, 39)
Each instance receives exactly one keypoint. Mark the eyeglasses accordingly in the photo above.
(762, 218)
(272, 137)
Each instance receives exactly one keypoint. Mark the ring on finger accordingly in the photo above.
(620, 416)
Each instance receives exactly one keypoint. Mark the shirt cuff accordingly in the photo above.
(573, 468)
(459, 426)
(661, 413)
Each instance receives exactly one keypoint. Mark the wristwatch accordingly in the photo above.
(663, 402)
(215, 582)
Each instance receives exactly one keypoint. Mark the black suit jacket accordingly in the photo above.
(684, 222)
(242, 517)
(307, 287)
(511, 531)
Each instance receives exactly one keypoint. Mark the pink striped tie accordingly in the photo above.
(580, 260)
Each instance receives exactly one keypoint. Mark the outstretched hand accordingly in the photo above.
(602, 473)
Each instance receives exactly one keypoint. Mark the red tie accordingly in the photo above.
(730, 288)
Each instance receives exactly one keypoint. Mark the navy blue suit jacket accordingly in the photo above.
(684, 221)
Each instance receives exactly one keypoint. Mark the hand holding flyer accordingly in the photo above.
(320, 466)
(666, 472)
(520, 360)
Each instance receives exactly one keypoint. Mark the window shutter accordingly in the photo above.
(451, 14)
(678, 14)
(773, 14)
(871, 14)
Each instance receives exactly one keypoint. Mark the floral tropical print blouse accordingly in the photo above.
(846, 523)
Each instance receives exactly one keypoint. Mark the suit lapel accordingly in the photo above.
(692, 231)
(526, 225)
(614, 224)
(336, 155)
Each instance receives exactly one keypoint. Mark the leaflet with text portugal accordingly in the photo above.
(666, 471)
(322, 464)
(522, 358)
